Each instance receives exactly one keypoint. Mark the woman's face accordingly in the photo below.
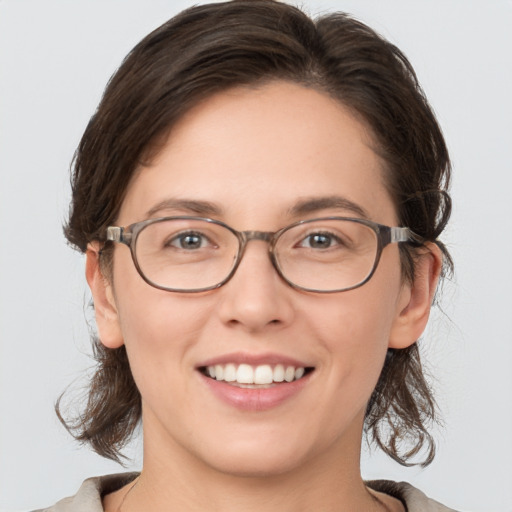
(249, 157)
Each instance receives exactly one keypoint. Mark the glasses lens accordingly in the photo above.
(327, 255)
(186, 254)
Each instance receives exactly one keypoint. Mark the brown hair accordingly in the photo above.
(210, 48)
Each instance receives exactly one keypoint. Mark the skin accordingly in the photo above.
(255, 153)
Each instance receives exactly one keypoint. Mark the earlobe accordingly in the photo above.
(416, 299)
(107, 319)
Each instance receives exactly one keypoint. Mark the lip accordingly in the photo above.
(254, 399)
(249, 399)
(254, 360)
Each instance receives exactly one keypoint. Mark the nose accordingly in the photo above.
(256, 298)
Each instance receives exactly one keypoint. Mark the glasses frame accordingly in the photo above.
(386, 235)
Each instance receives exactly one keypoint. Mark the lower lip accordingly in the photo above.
(259, 399)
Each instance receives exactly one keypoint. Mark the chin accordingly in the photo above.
(254, 466)
(256, 456)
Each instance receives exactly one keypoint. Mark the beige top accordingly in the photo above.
(88, 498)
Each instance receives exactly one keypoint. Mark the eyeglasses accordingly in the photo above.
(195, 254)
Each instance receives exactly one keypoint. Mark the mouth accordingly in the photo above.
(255, 377)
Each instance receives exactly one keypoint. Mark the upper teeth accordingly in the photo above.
(247, 374)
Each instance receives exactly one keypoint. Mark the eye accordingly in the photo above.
(189, 241)
(323, 240)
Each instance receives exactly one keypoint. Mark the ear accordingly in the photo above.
(413, 307)
(107, 319)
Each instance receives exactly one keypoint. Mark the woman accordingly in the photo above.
(280, 185)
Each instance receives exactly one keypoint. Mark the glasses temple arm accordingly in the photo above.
(117, 234)
(405, 235)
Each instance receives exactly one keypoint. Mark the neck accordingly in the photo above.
(174, 479)
(297, 492)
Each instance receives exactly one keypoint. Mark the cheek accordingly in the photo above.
(352, 331)
(158, 327)
(354, 341)
(161, 335)
(357, 320)
(158, 323)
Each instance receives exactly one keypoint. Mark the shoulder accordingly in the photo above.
(412, 498)
(89, 496)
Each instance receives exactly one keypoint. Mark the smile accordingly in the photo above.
(255, 382)
(260, 375)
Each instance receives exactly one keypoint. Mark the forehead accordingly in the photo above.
(252, 148)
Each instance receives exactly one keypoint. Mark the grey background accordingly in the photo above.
(55, 58)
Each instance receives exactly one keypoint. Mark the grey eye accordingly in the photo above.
(189, 241)
(320, 241)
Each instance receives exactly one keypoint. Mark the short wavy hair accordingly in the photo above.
(214, 47)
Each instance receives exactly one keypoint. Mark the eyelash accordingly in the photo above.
(180, 236)
(331, 236)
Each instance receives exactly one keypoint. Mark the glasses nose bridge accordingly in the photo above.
(263, 236)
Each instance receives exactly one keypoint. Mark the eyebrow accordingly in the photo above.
(314, 204)
(204, 208)
(302, 207)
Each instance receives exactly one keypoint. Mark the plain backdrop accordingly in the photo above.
(55, 58)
